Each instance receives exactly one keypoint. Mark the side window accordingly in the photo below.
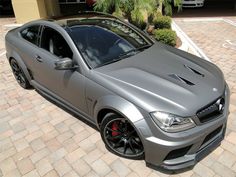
(31, 34)
(54, 42)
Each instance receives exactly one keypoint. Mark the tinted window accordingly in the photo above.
(31, 34)
(102, 40)
(54, 42)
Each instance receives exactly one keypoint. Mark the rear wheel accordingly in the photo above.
(19, 74)
(121, 138)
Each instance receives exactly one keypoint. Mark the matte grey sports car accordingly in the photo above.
(147, 99)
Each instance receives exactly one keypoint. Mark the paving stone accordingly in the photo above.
(81, 136)
(203, 171)
(57, 155)
(234, 168)
(227, 159)
(71, 174)
(133, 174)
(75, 155)
(81, 167)
(7, 165)
(5, 144)
(63, 137)
(222, 170)
(231, 137)
(87, 145)
(100, 167)
(39, 155)
(52, 173)
(43, 167)
(140, 168)
(23, 154)
(47, 127)
(62, 167)
(113, 174)
(70, 145)
(53, 144)
(186, 173)
(34, 135)
(120, 168)
(109, 158)
(37, 144)
(25, 166)
(92, 174)
(21, 144)
(13, 173)
(33, 173)
(92, 156)
(7, 153)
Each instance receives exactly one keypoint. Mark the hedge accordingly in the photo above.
(166, 36)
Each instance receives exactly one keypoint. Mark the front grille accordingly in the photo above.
(212, 135)
(211, 111)
(177, 153)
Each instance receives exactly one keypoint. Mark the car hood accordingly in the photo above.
(163, 78)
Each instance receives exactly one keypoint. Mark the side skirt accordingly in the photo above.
(47, 93)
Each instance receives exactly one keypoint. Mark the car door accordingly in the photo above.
(67, 84)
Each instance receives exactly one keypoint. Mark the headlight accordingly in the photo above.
(172, 123)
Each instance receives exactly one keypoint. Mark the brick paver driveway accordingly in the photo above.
(37, 138)
(217, 38)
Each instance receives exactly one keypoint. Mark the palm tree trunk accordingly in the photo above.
(160, 5)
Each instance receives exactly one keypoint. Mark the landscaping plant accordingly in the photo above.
(166, 36)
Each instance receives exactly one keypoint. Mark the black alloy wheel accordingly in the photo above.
(121, 138)
(19, 74)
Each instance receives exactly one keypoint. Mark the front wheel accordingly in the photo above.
(121, 138)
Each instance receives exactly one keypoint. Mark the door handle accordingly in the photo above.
(38, 58)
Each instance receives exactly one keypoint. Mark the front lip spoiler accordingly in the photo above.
(193, 158)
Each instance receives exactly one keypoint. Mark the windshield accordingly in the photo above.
(102, 41)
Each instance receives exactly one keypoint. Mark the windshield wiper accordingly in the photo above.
(125, 54)
(135, 50)
(111, 61)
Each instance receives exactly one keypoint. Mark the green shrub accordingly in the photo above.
(166, 36)
(138, 19)
(162, 22)
(154, 16)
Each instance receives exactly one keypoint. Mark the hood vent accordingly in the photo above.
(193, 70)
(181, 79)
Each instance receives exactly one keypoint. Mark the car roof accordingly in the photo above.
(71, 20)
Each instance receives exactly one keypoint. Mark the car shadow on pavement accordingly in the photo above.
(159, 169)
(67, 110)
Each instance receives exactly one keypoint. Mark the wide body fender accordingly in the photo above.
(21, 63)
(119, 105)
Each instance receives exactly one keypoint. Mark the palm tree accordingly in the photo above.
(137, 11)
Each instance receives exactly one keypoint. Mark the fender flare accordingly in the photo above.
(21, 64)
(119, 105)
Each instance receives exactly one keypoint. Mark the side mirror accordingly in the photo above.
(65, 64)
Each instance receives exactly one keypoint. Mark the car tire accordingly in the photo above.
(19, 75)
(120, 137)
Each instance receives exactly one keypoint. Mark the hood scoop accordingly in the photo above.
(194, 71)
(181, 79)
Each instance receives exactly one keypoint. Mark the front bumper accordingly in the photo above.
(191, 159)
(174, 151)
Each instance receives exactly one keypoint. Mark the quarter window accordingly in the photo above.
(31, 34)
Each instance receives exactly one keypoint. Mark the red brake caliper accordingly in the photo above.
(115, 127)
